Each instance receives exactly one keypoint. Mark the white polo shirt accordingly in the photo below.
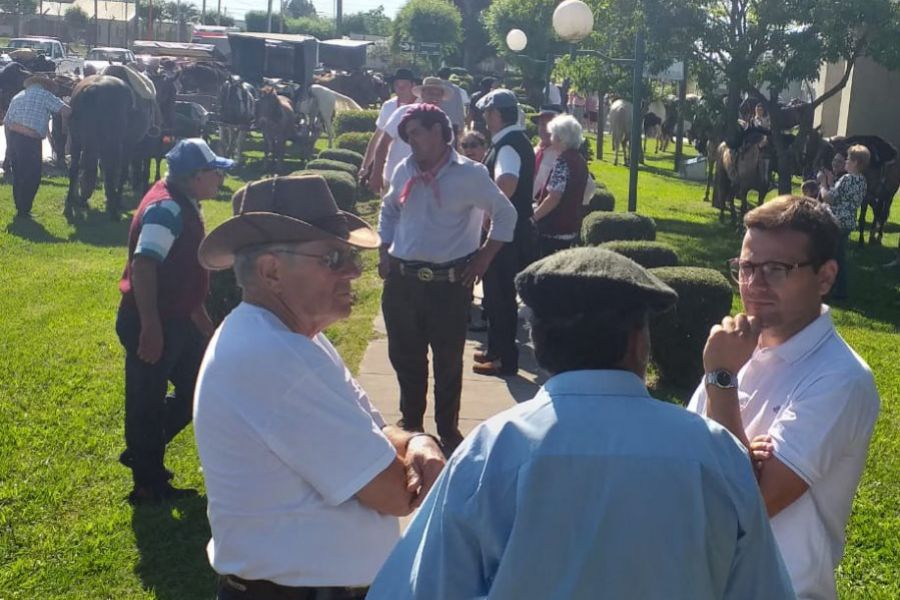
(817, 399)
(287, 438)
(398, 149)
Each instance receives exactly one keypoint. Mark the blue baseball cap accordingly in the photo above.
(194, 154)
(499, 98)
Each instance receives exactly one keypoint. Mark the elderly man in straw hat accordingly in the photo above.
(637, 498)
(304, 479)
(27, 123)
(392, 148)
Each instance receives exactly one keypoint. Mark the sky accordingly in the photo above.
(237, 8)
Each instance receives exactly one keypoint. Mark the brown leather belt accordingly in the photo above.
(430, 272)
(261, 589)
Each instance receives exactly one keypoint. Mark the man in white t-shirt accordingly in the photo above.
(455, 104)
(304, 479)
(403, 82)
(391, 149)
(782, 380)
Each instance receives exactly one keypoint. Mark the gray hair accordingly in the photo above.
(245, 262)
(567, 130)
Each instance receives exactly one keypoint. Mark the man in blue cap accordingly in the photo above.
(162, 322)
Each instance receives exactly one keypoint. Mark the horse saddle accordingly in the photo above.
(139, 83)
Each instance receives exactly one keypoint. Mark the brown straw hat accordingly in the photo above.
(296, 208)
(436, 83)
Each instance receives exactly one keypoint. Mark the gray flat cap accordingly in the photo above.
(499, 98)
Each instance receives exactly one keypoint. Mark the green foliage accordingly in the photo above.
(464, 81)
(353, 140)
(341, 184)
(355, 120)
(224, 295)
(677, 338)
(300, 8)
(647, 254)
(435, 21)
(475, 45)
(347, 156)
(77, 21)
(599, 227)
(211, 17)
(324, 164)
(370, 22)
(602, 200)
(256, 20)
(531, 128)
(322, 29)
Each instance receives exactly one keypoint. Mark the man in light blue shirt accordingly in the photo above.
(593, 489)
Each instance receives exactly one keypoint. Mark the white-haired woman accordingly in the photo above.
(558, 213)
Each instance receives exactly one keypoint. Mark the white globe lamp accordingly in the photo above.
(516, 40)
(573, 20)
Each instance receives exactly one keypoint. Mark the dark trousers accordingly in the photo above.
(839, 290)
(153, 417)
(233, 588)
(501, 307)
(419, 315)
(24, 155)
(551, 245)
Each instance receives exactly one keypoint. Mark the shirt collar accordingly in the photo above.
(596, 383)
(508, 129)
(807, 339)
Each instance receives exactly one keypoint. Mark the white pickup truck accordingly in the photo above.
(52, 48)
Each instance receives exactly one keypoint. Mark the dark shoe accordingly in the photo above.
(494, 369)
(127, 460)
(23, 215)
(150, 495)
(482, 358)
(450, 442)
(408, 427)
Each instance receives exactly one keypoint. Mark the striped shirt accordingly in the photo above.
(161, 225)
(33, 107)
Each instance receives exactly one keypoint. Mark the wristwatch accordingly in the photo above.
(723, 379)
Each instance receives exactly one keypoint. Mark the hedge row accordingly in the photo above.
(343, 155)
(324, 164)
(602, 200)
(599, 227)
(354, 140)
(647, 254)
(355, 120)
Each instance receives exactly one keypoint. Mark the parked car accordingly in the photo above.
(100, 58)
(50, 48)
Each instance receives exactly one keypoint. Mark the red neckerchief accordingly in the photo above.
(428, 177)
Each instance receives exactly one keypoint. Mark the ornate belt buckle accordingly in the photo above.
(425, 274)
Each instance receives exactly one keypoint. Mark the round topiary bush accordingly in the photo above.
(647, 254)
(355, 120)
(599, 227)
(347, 156)
(341, 184)
(353, 140)
(677, 337)
(603, 200)
(224, 295)
(324, 164)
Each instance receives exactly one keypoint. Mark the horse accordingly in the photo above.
(323, 103)
(620, 127)
(882, 175)
(652, 126)
(204, 77)
(12, 81)
(237, 105)
(99, 124)
(365, 88)
(154, 147)
(738, 171)
(275, 118)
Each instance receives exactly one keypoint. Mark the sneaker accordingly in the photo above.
(150, 495)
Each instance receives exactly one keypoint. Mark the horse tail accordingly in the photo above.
(342, 102)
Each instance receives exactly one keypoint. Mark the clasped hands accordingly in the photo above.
(424, 461)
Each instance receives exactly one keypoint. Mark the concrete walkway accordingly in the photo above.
(482, 397)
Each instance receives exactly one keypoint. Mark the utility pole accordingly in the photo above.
(281, 18)
(203, 13)
(338, 15)
(96, 25)
(150, 19)
(679, 113)
(635, 141)
(269, 18)
(219, 14)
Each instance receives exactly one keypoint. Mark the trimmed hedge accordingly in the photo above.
(531, 129)
(599, 227)
(647, 254)
(324, 164)
(353, 140)
(677, 338)
(355, 120)
(602, 200)
(341, 184)
(347, 156)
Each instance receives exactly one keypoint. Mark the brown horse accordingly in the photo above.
(366, 89)
(738, 171)
(275, 118)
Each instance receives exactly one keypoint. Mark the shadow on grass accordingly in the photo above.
(171, 541)
(97, 229)
(31, 230)
(704, 244)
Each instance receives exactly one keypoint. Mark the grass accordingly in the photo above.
(65, 529)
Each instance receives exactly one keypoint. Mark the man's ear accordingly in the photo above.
(827, 275)
(268, 272)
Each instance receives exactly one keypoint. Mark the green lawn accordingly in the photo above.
(65, 528)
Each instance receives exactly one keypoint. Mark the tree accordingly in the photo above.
(300, 8)
(370, 22)
(18, 8)
(77, 21)
(435, 21)
(322, 29)
(213, 18)
(257, 20)
(475, 45)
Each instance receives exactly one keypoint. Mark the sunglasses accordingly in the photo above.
(471, 145)
(335, 260)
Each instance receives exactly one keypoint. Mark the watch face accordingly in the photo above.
(724, 379)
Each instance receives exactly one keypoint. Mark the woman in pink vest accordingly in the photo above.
(558, 213)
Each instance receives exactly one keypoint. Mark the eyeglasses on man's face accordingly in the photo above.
(773, 272)
(335, 260)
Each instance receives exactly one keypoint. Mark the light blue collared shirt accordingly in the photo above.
(440, 230)
(592, 489)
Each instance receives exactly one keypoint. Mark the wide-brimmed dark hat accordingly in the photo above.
(583, 280)
(41, 80)
(406, 74)
(547, 110)
(296, 208)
